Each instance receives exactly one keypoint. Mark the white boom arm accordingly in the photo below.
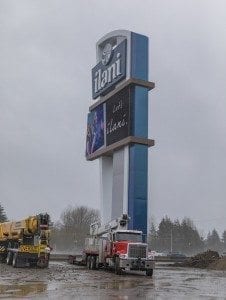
(120, 223)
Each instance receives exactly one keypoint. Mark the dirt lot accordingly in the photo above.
(63, 281)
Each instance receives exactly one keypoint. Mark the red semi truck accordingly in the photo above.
(113, 246)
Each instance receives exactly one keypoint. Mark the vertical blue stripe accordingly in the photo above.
(139, 56)
(138, 182)
(138, 154)
(139, 112)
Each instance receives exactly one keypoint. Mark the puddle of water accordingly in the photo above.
(128, 283)
(15, 290)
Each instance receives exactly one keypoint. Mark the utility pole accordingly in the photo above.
(171, 240)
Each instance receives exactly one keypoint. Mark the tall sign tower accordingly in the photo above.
(117, 126)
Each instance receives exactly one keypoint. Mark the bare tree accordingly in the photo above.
(70, 233)
(3, 217)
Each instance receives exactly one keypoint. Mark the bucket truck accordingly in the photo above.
(113, 246)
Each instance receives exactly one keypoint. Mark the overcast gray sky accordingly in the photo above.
(47, 50)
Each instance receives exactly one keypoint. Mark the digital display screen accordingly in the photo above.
(109, 122)
(118, 117)
(95, 130)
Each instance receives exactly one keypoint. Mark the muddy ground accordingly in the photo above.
(63, 281)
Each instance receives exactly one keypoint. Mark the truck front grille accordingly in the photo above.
(136, 250)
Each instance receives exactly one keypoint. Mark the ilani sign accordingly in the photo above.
(110, 70)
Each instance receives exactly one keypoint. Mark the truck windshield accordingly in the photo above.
(128, 236)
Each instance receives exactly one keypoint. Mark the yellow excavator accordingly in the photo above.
(25, 243)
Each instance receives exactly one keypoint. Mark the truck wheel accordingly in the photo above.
(97, 263)
(118, 270)
(9, 258)
(88, 262)
(149, 272)
(93, 263)
(15, 260)
(33, 264)
(3, 258)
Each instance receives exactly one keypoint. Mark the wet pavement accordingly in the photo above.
(63, 281)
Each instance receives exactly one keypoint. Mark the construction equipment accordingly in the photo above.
(26, 242)
(113, 246)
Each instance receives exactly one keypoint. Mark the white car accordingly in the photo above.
(154, 253)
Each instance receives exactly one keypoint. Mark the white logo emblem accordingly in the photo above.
(106, 54)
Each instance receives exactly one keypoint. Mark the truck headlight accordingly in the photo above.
(123, 256)
(151, 256)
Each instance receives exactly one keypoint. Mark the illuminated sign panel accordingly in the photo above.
(109, 122)
(95, 130)
(110, 70)
(118, 117)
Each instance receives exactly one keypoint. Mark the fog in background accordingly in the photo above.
(47, 50)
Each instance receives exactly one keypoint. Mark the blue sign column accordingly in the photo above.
(138, 154)
(118, 119)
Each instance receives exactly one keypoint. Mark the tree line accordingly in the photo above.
(176, 236)
(68, 234)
